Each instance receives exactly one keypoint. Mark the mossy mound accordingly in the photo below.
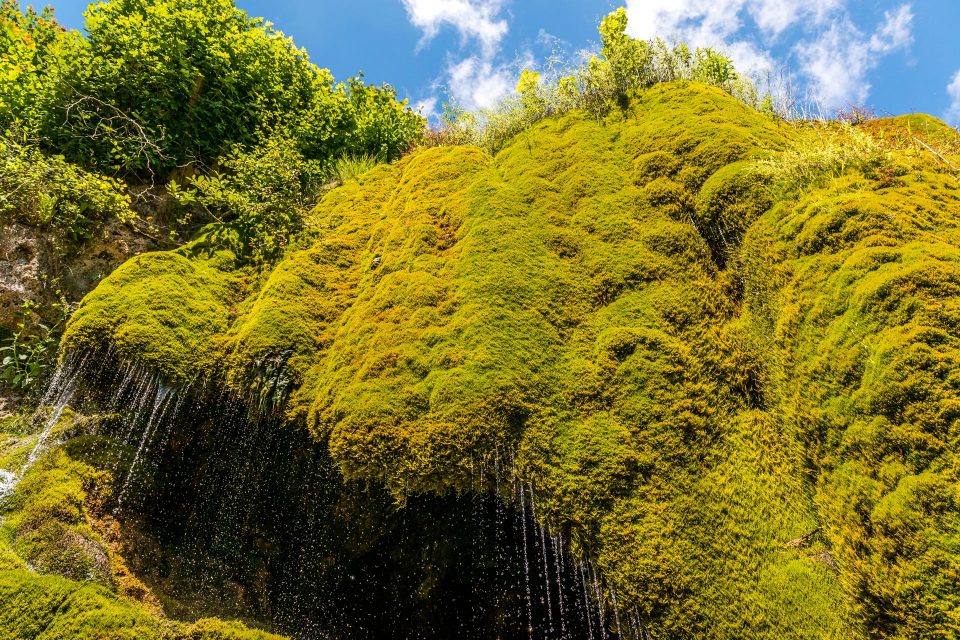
(44, 607)
(48, 607)
(164, 309)
(740, 407)
(855, 289)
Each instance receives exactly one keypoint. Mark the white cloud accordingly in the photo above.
(776, 16)
(478, 79)
(473, 19)
(953, 90)
(427, 108)
(838, 61)
(478, 83)
(748, 58)
(835, 65)
(547, 39)
(835, 55)
(896, 32)
(711, 22)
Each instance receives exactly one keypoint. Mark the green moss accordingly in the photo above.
(214, 629)
(39, 607)
(693, 364)
(161, 309)
(909, 133)
(48, 607)
(46, 523)
(862, 314)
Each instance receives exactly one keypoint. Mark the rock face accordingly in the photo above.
(35, 265)
(111, 245)
(39, 272)
(690, 335)
(25, 263)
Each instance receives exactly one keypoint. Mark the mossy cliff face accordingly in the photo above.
(854, 289)
(740, 403)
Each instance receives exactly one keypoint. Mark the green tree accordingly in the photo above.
(533, 104)
(713, 67)
(629, 59)
(159, 84)
(198, 76)
(48, 192)
(382, 126)
(31, 44)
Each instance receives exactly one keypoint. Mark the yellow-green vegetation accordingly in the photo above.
(155, 85)
(854, 289)
(722, 348)
(596, 86)
(186, 301)
(46, 525)
(43, 607)
(55, 195)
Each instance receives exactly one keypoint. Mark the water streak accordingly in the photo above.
(526, 562)
(616, 610)
(161, 401)
(546, 570)
(57, 396)
(600, 608)
(557, 544)
(586, 599)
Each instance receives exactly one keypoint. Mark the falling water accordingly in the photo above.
(557, 545)
(616, 609)
(227, 462)
(596, 590)
(546, 570)
(8, 481)
(526, 561)
(55, 399)
(162, 400)
(586, 599)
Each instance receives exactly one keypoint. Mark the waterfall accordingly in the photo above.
(60, 391)
(139, 397)
(224, 486)
(161, 402)
(526, 560)
(546, 567)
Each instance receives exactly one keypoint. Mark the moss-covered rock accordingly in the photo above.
(49, 607)
(855, 287)
(739, 402)
(162, 309)
(38, 607)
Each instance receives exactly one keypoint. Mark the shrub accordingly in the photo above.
(28, 357)
(159, 84)
(624, 65)
(30, 43)
(259, 198)
(50, 192)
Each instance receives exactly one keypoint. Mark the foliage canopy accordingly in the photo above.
(156, 85)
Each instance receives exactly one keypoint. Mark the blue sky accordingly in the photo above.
(894, 56)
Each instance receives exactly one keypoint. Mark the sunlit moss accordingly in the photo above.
(734, 390)
(162, 309)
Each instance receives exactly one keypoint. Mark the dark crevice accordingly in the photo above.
(250, 519)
